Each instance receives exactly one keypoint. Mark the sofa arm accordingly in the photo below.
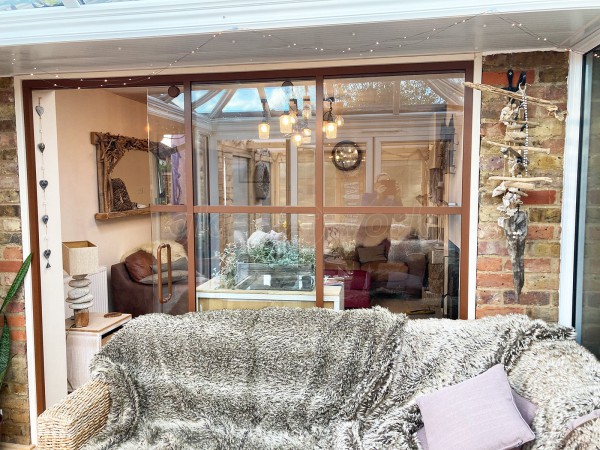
(70, 423)
(561, 378)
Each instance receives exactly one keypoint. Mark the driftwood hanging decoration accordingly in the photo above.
(551, 107)
(110, 148)
(515, 230)
(515, 149)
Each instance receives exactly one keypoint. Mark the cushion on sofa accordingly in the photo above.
(176, 275)
(477, 414)
(139, 265)
(370, 254)
(526, 408)
(177, 264)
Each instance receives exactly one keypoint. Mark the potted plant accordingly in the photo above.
(268, 264)
(5, 336)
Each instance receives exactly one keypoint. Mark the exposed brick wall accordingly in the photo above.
(546, 78)
(14, 394)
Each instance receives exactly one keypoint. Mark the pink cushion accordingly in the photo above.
(477, 414)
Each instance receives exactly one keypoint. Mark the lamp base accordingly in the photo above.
(82, 317)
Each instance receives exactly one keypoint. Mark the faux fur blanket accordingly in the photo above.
(288, 379)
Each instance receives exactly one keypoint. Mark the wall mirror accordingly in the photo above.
(124, 174)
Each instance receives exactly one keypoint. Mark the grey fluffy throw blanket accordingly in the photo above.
(288, 379)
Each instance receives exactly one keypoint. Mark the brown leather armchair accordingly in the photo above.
(135, 298)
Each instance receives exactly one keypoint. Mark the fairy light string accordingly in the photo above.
(401, 41)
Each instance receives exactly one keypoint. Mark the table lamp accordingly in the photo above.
(80, 258)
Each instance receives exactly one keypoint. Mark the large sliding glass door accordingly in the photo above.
(335, 192)
(587, 295)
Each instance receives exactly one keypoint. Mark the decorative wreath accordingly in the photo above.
(262, 180)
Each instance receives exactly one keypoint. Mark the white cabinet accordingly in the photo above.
(84, 343)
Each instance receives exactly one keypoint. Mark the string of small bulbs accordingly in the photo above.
(402, 41)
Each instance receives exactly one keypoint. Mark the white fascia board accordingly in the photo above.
(159, 18)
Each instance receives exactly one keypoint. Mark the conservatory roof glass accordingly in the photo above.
(12, 5)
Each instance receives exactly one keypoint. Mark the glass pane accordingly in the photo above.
(394, 140)
(257, 260)
(275, 148)
(171, 229)
(166, 135)
(407, 263)
(588, 286)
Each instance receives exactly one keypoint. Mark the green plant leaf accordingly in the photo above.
(18, 281)
(4, 350)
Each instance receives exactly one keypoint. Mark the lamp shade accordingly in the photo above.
(79, 257)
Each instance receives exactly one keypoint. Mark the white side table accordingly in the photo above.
(84, 343)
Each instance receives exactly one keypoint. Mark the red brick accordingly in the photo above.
(15, 307)
(489, 231)
(496, 280)
(556, 146)
(10, 266)
(540, 198)
(485, 311)
(534, 265)
(538, 298)
(492, 248)
(15, 320)
(499, 78)
(18, 335)
(489, 297)
(489, 264)
(13, 253)
(545, 232)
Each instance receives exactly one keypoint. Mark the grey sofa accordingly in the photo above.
(284, 378)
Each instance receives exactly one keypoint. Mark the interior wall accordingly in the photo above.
(80, 112)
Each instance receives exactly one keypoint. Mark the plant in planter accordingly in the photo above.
(282, 260)
(5, 336)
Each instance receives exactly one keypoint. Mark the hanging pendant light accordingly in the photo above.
(297, 137)
(339, 120)
(306, 111)
(330, 125)
(285, 123)
(264, 128)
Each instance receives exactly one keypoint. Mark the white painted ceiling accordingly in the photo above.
(148, 36)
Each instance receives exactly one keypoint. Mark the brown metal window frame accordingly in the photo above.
(318, 210)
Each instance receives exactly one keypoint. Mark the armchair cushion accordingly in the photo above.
(139, 265)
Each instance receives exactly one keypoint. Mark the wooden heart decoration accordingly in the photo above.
(39, 110)
(44, 184)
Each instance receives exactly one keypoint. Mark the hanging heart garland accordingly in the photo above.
(47, 254)
(39, 109)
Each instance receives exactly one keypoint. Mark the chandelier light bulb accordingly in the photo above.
(331, 130)
(263, 130)
(307, 131)
(339, 120)
(297, 138)
(285, 123)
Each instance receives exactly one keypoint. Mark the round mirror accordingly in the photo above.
(346, 155)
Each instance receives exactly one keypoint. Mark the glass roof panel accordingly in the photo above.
(244, 100)
(197, 94)
(207, 108)
(13, 5)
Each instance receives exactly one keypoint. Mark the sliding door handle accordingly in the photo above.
(169, 274)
